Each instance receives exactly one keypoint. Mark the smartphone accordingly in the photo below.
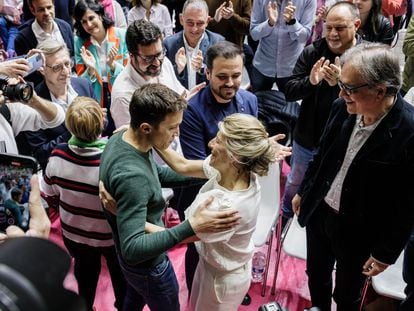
(35, 62)
(15, 174)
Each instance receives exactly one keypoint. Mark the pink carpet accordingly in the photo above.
(291, 286)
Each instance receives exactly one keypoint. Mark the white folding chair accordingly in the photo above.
(389, 283)
(294, 242)
(268, 215)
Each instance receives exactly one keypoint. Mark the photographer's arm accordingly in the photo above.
(47, 110)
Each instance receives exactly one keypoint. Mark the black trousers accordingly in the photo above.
(332, 239)
(88, 268)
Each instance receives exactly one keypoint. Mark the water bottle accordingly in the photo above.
(258, 267)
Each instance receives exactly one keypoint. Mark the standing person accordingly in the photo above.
(12, 207)
(132, 177)
(283, 30)
(187, 49)
(100, 52)
(240, 152)
(408, 50)
(148, 64)
(44, 25)
(153, 11)
(374, 26)
(220, 98)
(63, 10)
(114, 11)
(61, 88)
(364, 166)
(72, 175)
(408, 274)
(314, 81)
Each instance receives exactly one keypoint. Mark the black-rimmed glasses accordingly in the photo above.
(149, 59)
(59, 67)
(349, 90)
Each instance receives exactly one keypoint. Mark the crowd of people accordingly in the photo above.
(135, 96)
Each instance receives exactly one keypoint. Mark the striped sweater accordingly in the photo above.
(72, 174)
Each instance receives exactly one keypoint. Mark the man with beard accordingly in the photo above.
(220, 98)
(314, 81)
(147, 64)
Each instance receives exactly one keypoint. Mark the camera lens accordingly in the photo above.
(20, 91)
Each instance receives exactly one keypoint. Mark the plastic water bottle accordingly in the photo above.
(258, 267)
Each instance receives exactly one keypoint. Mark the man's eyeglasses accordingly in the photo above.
(349, 90)
(149, 59)
(59, 67)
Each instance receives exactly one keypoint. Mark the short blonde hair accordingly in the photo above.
(84, 119)
(247, 140)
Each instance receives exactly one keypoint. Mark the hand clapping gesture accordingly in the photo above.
(110, 60)
(272, 13)
(180, 60)
(289, 12)
(88, 60)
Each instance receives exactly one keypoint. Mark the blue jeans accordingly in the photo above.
(260, 82)
(408, 275)
(299, 162)
(156, 286)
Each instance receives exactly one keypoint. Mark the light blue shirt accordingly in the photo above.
(280, 45)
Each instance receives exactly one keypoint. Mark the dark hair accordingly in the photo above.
(15, 193)
(141, 32)
(138, 2)
(152, 102)
(30, 2)
(80, 9)
(351, 7)
(225, 49)
(374, 14)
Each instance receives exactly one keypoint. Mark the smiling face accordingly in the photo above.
(340, 29)
(162, 136)
(225, 77)
(60, 78)
(194, 21)
(92, 23)
(365, 100)
(220, 157)
(44, 12)
(145, 52)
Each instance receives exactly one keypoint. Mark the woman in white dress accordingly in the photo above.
(240, 151)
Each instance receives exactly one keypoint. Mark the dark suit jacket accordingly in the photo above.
(377, 200)
(173, 43)
(42, 142)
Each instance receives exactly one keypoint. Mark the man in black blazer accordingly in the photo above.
(60, 88)
(187, 49)
(356, 199)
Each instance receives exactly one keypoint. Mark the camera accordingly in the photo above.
(18, 92)
(272, 306)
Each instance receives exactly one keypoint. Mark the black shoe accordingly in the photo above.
(246, 300)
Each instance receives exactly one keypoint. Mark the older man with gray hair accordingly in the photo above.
(356, 198)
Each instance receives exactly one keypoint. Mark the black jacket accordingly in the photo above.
(377, 201)
(384, 33)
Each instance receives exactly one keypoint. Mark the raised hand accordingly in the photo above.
(317, 73)
(289, 12)
(110, 60)
(197, 61)
(180, 59)
(88, 59)
(272, 13)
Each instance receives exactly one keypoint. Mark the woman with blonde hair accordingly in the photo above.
(240, 152)
(72, 177)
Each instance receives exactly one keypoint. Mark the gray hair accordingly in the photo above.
(51, 46)
(197, 4)
(376, 64)
(247, 142)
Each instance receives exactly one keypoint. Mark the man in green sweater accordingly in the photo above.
(131, 176)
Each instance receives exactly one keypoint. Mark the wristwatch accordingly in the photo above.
(291, 22)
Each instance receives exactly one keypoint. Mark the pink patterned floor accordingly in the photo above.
(291, 286)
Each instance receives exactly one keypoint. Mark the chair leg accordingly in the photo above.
(278, 251)
(269, 252)
(364, 292)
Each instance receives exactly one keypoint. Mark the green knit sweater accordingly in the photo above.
(135, 180)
